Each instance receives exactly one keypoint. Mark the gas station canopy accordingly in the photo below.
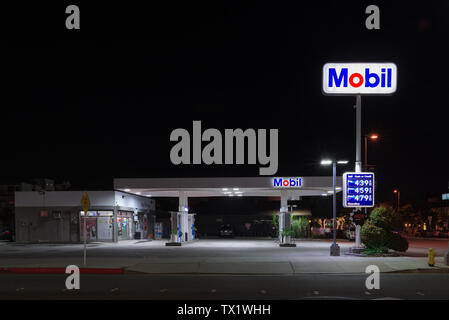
(227, 186)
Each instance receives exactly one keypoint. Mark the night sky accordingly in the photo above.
(97, 103)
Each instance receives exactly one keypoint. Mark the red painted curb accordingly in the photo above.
(60, 270)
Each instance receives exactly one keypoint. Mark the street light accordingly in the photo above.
(335, 249)
(372, 137)
(399, 197)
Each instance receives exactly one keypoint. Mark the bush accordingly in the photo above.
(386, 218)
(398, 243)
(379, 231)
(374, 237)
(299, 227)
(287, 232)
(275, 219)
(373, 251)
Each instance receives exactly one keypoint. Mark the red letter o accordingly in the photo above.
(351, 80)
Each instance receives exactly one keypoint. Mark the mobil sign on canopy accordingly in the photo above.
(359, 78)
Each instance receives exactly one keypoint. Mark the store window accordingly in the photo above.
(99, 225)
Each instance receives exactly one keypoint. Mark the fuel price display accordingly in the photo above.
(358, 189)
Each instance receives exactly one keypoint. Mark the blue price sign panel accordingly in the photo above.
(358, 189)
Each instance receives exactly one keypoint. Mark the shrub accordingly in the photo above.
(299, 227)
(275, 219)
(287, 232)
(398, 243)
(374, 237)
(373, 251)
(386, 218)
(379, 231)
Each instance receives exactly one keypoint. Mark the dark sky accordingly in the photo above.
(98, 103)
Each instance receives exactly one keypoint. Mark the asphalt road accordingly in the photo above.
(221, 287)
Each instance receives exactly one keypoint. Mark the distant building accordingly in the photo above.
(440, 210)
(7, 196)
(57, 216)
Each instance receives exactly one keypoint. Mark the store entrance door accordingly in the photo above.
(125, 225)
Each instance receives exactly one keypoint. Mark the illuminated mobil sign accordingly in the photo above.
(358, 189)
(295, 182)
(359, 78)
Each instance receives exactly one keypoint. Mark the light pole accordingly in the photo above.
(398, 192)
(335, 249)
(372, 137)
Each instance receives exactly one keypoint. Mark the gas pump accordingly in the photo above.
(190, 226)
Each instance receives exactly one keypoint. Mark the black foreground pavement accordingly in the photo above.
(220, 287)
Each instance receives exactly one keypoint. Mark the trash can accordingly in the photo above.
(137, 235)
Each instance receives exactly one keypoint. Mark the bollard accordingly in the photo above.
(431, 257)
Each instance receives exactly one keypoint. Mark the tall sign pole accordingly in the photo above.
(358, 133)
(358, 156)
(85, 204)
(357, 79)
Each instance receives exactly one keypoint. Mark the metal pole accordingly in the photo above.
(85, 236)
(358, 143)
(334, 200)
(366, 153)
(335, 249)
(358, 155)
(366, 168)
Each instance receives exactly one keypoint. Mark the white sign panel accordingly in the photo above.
(289, 182)
(359, 78)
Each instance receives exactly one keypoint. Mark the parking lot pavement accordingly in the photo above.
(233, 256)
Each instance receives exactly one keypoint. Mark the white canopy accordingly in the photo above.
(222, 187)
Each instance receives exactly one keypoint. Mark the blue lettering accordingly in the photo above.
(369, 75)
(277, 182)
(338, 80)
(389, 77)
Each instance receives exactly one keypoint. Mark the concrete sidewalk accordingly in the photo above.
(301, 265)
(337, 265)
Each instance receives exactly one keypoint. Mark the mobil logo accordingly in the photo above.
(359, 78)
(294, 182)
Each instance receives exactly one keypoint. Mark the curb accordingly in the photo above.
(16, 270)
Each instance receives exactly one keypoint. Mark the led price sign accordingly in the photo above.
(358, 189)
